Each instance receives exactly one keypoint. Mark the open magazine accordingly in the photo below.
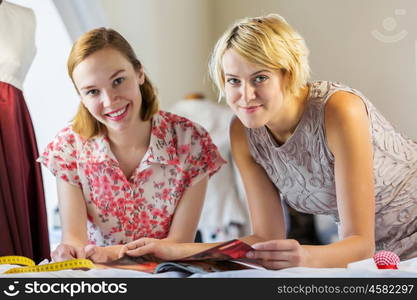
(224, 257)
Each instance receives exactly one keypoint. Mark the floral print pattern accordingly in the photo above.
(123, 209)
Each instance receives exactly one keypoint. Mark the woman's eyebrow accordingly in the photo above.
(257, 72)
(260, 71)
(116, 73)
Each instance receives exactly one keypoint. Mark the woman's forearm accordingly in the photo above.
(73, 240)
(339, 254)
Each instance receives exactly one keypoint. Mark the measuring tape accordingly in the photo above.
(16, 260)
(79, 263)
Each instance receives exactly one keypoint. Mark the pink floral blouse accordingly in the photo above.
(121, 210)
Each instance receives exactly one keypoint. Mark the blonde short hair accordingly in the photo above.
(268, 41)
(90, 42)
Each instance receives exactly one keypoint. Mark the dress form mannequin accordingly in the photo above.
(23, 218)
(17, 40)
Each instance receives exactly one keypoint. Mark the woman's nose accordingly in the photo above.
(107, 98)
(248, 93)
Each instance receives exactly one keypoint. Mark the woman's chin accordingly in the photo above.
(117, 127)
(252, 124)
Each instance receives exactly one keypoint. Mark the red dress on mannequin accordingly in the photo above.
(23, 218)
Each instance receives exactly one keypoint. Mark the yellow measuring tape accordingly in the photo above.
(16, 260)
(79, 263)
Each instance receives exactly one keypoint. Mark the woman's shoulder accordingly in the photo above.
(324, 89)
(180, 125)
(239, 136)
(68, 131)
(237, 130)
(67, 136)
(63, 147)
(192, 143)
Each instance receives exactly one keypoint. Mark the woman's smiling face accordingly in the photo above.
(109, 88)
(254, 93)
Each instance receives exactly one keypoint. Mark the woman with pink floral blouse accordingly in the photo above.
(124, 169)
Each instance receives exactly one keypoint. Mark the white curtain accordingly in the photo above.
(80, 16)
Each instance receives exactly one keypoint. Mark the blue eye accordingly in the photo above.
(260, 78)
(118, 81)
(233, 81)
(93, 92)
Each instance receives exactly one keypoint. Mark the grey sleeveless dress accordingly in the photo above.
(303, 170)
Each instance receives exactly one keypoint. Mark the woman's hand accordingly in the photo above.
(162, 249)
(102, 254)
(65, 252)
(279, 254)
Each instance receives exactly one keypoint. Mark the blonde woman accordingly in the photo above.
(321, 147)
(124, 169)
